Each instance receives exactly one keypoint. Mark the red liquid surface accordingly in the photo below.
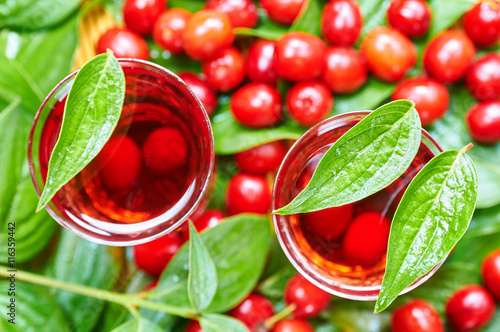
(131, 189)
(328, 254)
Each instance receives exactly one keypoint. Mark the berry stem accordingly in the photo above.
(271, 321)
(466, 148)
(127, 300)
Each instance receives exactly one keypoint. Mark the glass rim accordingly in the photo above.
(124, 242)
(350, 292)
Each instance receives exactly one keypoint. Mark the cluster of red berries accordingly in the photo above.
(469, 308)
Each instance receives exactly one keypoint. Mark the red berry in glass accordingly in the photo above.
(490, 273)
(483, 122)
(482, 23)
(225, 71)
(411, 17)
(124, 44)
(341, 22)
(299, 56)
(259, 62)
(206, 34)
(390, 54)
(329, 224)
(248, 193)
(168, 29)
(430, 96)
(308, 299)
(150, 164)
(416, 316)
(261, 159)
(193, 326)
(345, 69)
(253, 311)
(293, 325)
(256, 105)
(241, 13)
(470, 308)
(448, 56)
(141, 15)
(309, 102)
(282, 11)
(483, 77)
(202, 90)
(152, 257)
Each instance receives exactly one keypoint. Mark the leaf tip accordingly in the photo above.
(110, 52)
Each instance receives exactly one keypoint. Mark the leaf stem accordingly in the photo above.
(126, 300)
(466, 148)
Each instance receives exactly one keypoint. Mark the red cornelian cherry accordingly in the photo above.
(483, 77)
(329, 223)
(416, 316)
(448, 56)
(293, 325)
(341, 22)
(431, 97)
(411, 17)
(345, 69)
(259, 63)
(299, 56)
(152, 257)
(225, 71)
(282, 11)
(168, 29)
(241, 13)
(365, 241)
(248, 193)
(141, 15)
(193, 326)
(261, 159)
(253, 311)
(309, 102)
(309, 299)
(206, 34)
(164, 150)
(124, 43)
(389, 54)
(120, 162)
(152, 285)
(202, 90)
(490, 273)
(482, 23)
(469, 308)
(483, 122)
(208, 219)
(256, 105)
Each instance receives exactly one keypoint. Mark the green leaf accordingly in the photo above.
(374, 12)
(22, 53)
(226, 169)
(202, 278)
(17, 195)
(91, 113)
(451, 133)
(115, 8)
(432, 216)
(366, 159)
(86, 263)
(369, 97)
(237, 271)
(265, 29)
(35, 14)
(309, 18)
(36, 310)
(274, 286)
(484, 222)
(138, 325)
(191, 5)
(175, 63)
(356, 316)
(446, 12)
(221, 323)
(230, 137)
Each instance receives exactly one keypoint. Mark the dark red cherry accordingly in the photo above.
(483, 77)
(260, 64)
(261, 159)
(483, 121)
(490, 273)
(152, 257)
(416, 316)
(202, 90)
(141, 15)
(411, 17)
(193, 326)
(120, 162)
(341, 22)
(164, 150)
(309, 102)
(124, 43)
(329, 223)
(309, 299)
(248, 193)
(345, 69)
(482, 23)
(225, 71)
(253, 311)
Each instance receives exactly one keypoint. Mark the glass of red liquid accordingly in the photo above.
(154, 172)
(343, 249)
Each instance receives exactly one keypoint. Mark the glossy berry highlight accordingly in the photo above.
(261, 159)
(309, 299)
(341, 22)
(253, 311)
(141, 15)
(225, 71)
(411, 17)
(416, 316)
(345, 70)
(152, 257)
(282, 11)
(482, 23)
(260, 62)
(483, 77)
(124, 43)
(483, 122)
(168, 29)
(309, 102)
(241, 13)
(490, 273)
(248, 193)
